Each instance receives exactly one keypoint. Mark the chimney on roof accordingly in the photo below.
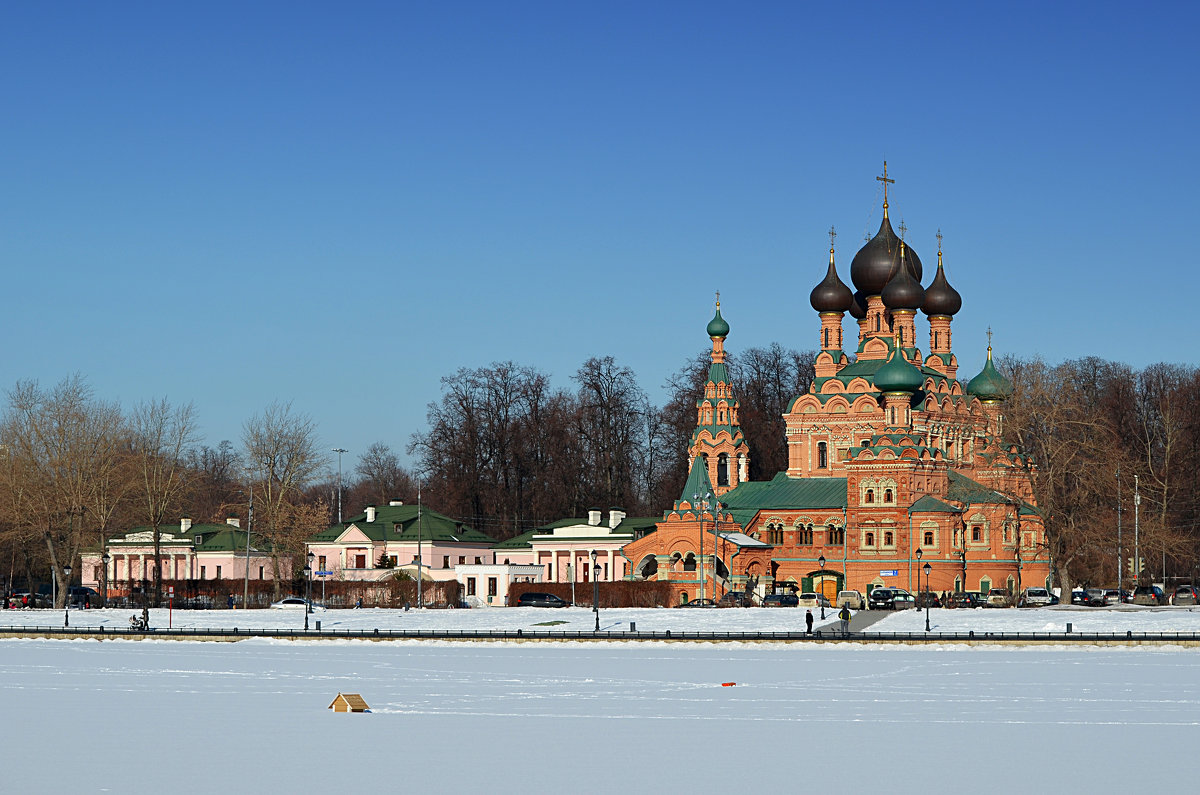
(233, 521)
(185, 524)
(615, 517)
(594, 517)
(396, 503)
(370, 513)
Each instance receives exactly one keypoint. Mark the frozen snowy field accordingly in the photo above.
(179, 716)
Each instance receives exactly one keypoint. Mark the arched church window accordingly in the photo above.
(870, 539)
(888, 498)
(870, 496)
(928, 538)
(723, 469)
(887, 539)
(822, 455)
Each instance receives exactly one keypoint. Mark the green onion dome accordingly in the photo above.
(989, 386)
(717, 327)
(898, 375)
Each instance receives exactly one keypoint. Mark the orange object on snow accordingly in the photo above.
(728, 684)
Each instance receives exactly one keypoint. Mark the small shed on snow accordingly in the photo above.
(349, 702)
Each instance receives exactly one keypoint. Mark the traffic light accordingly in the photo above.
(1136, 565)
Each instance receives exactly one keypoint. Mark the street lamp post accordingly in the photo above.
(307, 587)
(67, 601)
(596, 589)
(104, 559)
(821, 563)
(339, 451)
(918, 554)
(926, 568)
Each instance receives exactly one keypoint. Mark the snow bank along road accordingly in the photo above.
(1181, 624)
(498, 717)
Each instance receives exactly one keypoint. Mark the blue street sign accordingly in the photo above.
(889, 573)
(324, 573)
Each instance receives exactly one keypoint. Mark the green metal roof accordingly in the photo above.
(928, 504)
(518, 542)
(785, 492)
(400, 523)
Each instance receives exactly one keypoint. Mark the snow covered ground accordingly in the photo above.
(194, 717)
(1052, 619)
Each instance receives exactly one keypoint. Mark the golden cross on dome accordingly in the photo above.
(903, 229)
(718, 299)
(884, 179)
(832, 237)
(989, 333)
(939, 237)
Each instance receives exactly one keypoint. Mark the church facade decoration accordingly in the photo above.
(893, 463)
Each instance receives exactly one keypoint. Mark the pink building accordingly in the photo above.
(380, 541)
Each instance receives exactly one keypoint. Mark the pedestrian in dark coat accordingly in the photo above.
(808, 621)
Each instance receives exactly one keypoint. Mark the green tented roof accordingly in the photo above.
(784, 492)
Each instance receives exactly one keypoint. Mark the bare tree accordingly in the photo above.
(282, 455)
(162, 438)
(62, 444)
(381, 477)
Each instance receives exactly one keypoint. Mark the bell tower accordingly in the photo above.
(718, 438)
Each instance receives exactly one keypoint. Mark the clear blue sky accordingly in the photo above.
(339, 203)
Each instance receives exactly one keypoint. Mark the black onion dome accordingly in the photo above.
(831, 295)
(878, 261)
(903, 291)
(940, 297)
(858, 306)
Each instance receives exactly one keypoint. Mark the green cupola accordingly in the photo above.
(989, 386)
(898, 375)
(717, 327)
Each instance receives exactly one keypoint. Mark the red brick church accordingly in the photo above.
(892, 461)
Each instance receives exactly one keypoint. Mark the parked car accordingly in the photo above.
(968, 599)
(928, 599)
(1149, 595)
(1185, 595)
(880, 599)
(295, 603)
(1035, 597)
(1116, 597)
(781, 600)
(812, 599)
(1078, 596)
(534, 599)
(734, 599)
(851, 599)
(81, 596)
(999, 597)
(1095, 597)
(903, 600)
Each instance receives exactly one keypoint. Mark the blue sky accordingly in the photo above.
(337, 204)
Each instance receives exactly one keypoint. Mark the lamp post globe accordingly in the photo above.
(821, 563)
(67, 600)
(927, 568)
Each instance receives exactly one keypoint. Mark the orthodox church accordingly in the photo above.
(893, 462)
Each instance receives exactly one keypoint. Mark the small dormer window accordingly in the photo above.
(199, 540)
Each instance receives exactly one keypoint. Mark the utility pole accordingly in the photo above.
(1120, 552)
(420, 580)
(1137, 560)
(249, 527)
(339, 451)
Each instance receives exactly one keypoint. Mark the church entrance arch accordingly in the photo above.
(647, 569)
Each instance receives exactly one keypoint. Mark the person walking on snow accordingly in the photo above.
(808, 619)
(844, 615)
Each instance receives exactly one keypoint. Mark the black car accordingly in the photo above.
(699, 603)
(541, 600)
(880, 599)
(781, 600)
(928, 599)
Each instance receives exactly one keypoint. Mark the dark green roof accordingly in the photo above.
(518, 542)
(697, 482)
(928, 504)
(989, 384)
(785, 492)
(717, 327)
(214, 537)
(898, 375)
(400, 523)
